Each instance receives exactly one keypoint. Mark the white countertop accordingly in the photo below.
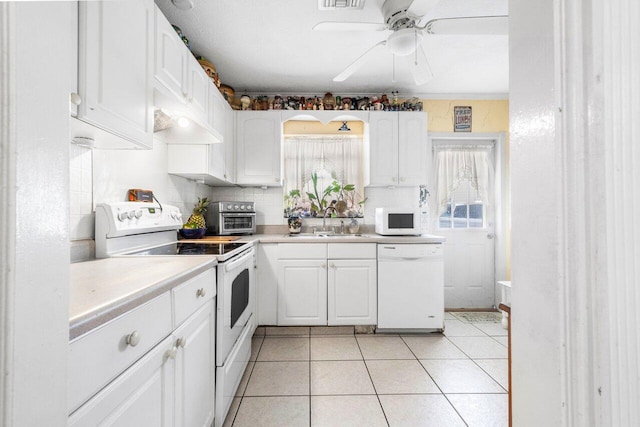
(106, 288)
(346, 238)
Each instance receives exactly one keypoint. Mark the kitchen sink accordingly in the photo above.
(326, 235)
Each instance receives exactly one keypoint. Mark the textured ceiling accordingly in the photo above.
(268, 46)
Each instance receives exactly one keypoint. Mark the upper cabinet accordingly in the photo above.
(181, 83)
(115, 72)
(398, 148)
(170, 58)
(258, 146)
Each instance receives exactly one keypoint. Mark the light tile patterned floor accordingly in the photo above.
(330, 377)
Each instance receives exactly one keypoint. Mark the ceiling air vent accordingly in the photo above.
(340, 4)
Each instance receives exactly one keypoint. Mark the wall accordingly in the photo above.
(36, 41)
(99, 176)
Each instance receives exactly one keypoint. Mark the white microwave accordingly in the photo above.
(399, 221)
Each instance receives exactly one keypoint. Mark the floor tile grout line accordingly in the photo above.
(435, 383)
(373, 384)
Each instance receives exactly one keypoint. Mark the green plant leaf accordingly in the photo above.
(312, 196)
(349, 187)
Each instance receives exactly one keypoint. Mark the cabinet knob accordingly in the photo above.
(332, 265)
(393, 179)
(276, 179)
(75, 99)
(402, 179)
(323, 265)
(133, 338)
(181, 342)
(171, 353)
(201, 292)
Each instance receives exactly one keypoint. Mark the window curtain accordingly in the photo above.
(455, 164)
(336, 157)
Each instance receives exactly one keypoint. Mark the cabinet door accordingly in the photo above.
(115, 73)
(217, 119)
(352, 292)
(170, 58)
(302, 292)
(195, 369)
(413, 150)
(383, 149)
(198, 82)
(230, 144)
(142, 396)
(267, 284)
(258, 148)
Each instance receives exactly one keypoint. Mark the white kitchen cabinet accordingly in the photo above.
(398, 152)
(142, 396)
(352, 292)
(154, 365)
(230, 143)
(258, 147)
(302, 292)
(320, 284)
(170, 57)
(115, 68)
(195, 369)
(267, 284)
(197, 93)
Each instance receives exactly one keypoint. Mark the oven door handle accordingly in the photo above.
(233, 264)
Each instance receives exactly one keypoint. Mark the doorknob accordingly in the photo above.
(490, 235)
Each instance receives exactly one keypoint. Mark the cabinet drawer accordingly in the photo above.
(99, 356)
(352, 251)
(193, 294)
(302, 251)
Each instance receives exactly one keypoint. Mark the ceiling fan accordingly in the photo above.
(402, 18)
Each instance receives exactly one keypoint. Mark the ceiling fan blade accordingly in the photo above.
(420, 8)
(353, 67)
(419, 66)
(472, 25)
(350, 26)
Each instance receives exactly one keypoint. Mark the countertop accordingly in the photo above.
(106, 288)
(344, 238)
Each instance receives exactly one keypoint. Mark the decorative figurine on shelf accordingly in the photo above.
(310, 104)
(328, 101)
(245, 100)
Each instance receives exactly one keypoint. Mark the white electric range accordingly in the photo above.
(148, 229)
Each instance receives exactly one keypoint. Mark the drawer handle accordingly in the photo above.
(181, 342)
(201, 292)
(133, 338)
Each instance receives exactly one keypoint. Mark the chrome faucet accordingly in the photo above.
(324, 217)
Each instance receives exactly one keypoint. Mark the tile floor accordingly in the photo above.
(322, 376)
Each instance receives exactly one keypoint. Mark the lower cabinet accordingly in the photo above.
(351, 292)
(145, 369)
(325, 284)
(195, 369)
(302, 292)
(142, 396)
(172, 385)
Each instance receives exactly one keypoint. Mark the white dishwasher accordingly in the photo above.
(410, 287)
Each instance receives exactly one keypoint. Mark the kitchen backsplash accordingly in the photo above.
(270, 206)
(105, 176)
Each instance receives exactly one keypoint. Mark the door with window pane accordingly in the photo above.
(465, 214)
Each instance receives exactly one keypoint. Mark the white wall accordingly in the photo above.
(100, 176)
(37, 40)
(270, 201)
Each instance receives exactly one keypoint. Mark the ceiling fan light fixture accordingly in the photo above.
(403, 42)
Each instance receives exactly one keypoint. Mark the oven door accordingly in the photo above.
(234, 223)
(235, 302)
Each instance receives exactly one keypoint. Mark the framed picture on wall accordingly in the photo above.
(462, 119)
